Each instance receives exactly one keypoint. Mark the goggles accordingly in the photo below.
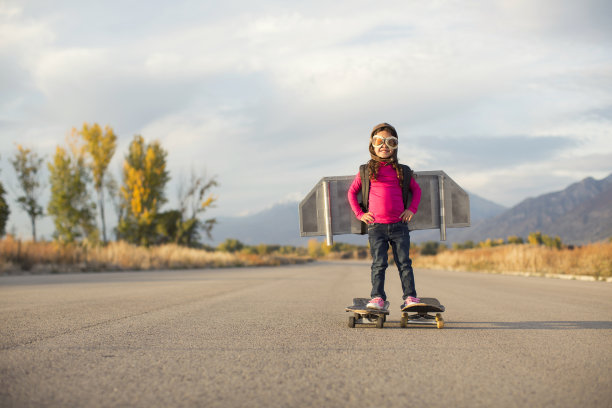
(390, 141)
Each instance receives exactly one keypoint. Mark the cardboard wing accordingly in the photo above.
(325, 211)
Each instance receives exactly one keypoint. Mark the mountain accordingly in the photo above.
(480, 209)
(280, 225)
(579, 214)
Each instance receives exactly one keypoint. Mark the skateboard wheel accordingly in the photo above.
(439, 321)
(404, 321)
(380, 322)
(351, 322)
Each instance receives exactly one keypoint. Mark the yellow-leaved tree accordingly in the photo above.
(100, 145)
(142, 193)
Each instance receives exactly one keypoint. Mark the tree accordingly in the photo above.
(27, 165)
(513, 239)
(70, 205)
(552, 242)
(230, 245)
(142, 193)
(535, 238)
(315, 249)
(100, 145)
(194, 201)
(4, 211)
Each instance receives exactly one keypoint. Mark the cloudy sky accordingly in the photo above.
(512, 98)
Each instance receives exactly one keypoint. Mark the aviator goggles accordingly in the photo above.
(390, 141)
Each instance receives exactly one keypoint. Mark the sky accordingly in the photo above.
(511, 98)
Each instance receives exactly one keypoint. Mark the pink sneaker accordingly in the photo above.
(411, 301)
(376, 303)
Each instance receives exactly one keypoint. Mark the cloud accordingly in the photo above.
(272, 96)
(586, 21)
(485, 153)
(597, 164)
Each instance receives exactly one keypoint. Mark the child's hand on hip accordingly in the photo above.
(368, 218)
(406, 215)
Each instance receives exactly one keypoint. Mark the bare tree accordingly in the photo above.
(27, 166)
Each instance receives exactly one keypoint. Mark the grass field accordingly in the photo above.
(16, 257)
(52, 257)
(589, 260)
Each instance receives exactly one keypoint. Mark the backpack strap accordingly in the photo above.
(364, 174)
(407, 175)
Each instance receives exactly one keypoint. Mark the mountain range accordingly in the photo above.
(579, 214)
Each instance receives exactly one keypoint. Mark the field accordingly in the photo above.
(18, 257)
(593, 260)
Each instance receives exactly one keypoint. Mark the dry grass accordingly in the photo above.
(590, 260)
(52, 257)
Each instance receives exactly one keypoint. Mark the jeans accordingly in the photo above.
(380, 235)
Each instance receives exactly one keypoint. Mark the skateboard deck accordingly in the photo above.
(363, 315)
(419, 313)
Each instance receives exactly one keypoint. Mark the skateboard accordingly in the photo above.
(419, 313)
(363, 315)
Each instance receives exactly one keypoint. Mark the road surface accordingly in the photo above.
(278, 337)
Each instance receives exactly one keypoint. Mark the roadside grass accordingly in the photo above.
(18, 257)
(593, 260)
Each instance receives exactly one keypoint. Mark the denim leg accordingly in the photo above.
(379, 245)
(400, 244)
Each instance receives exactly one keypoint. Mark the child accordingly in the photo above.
(387, 215)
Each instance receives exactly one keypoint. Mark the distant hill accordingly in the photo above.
(277, 225)
(579, 214)
(280, 225)
(480, 209)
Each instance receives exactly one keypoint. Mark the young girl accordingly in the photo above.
(387, 215)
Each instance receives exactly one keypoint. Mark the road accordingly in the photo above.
(278, 337)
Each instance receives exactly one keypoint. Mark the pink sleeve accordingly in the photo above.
(353, 190)
(416, 195)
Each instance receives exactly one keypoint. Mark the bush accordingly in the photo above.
(430, 248)
(537, 238)
(465, 245)
(248, 250)
(230, 245)
(287, 249)
(513, 239)
(490, 243)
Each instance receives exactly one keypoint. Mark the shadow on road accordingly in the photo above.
(531, 325)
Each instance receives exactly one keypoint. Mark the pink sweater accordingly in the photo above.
(385, 201)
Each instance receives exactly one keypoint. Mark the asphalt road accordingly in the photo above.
(278, 337)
